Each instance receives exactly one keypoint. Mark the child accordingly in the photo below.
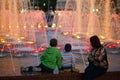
(67, 57)
(49, 59)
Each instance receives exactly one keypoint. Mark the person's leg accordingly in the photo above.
(99, 71)
(45, 69)
(88, 75)
(31, 68)
(92, 72)
(26, 68)
(36, 68)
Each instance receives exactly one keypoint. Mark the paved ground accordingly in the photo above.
(9, 68)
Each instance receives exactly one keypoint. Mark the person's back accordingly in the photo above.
(51, 57)
(67, 57)
(98, 63)
(66, 60)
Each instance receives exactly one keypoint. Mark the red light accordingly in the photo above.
(15, 51)
(29, 46)
(35, 51)
(10, 47)
(114, 45)
(87, 50)
(42, 49)
(2, 50)
(110, 46)
(58, 47)
(54, 30)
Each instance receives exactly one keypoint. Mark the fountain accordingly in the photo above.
(83, 18)
(18, 20)
(88, 17)
(19, 24)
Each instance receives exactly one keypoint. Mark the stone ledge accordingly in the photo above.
(62, 76)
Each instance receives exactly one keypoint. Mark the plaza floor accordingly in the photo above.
(9, 68)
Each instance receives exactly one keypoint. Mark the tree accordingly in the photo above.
(45, 5)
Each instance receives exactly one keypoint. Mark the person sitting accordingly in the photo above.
(67, 58)
(98, 63)
(49, 59)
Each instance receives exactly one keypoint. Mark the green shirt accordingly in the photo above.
(51, 58)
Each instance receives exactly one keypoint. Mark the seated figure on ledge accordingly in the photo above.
(49, 60)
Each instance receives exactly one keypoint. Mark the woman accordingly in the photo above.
(98, 63)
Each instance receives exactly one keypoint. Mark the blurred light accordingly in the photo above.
(24, 27)
(59, 14)
(39, 26)
(23, 10)
(22, 37)
(7, 35)
(78, 37)
(9, 26)
(44, 4)
(17, 26)
(3, 41)
(65, 33)
(53, 25)
(102, 37)
(97, 10)
(32, 26)
(42, 49)
(46, 26)
(60, 26)
(35, 51)
(15, 51)
(30, 42)
(87, 50)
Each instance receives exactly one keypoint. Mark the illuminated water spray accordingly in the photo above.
(17, 19)
(19, 23)
(88, 17)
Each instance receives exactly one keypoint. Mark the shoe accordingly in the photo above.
(36, 69)
(24, 69)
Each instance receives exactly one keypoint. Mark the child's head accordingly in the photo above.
(67, 47)
(53, 42)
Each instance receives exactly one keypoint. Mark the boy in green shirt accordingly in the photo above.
(49, 59)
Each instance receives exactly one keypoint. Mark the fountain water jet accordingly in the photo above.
(17, 19)
(18, 23)
(90, 17)
(83, 18)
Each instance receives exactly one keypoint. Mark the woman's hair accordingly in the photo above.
(53, 42)
(67, 47)
(95, 42)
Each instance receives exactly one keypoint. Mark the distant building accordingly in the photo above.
(60, 4)
(118, 5)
